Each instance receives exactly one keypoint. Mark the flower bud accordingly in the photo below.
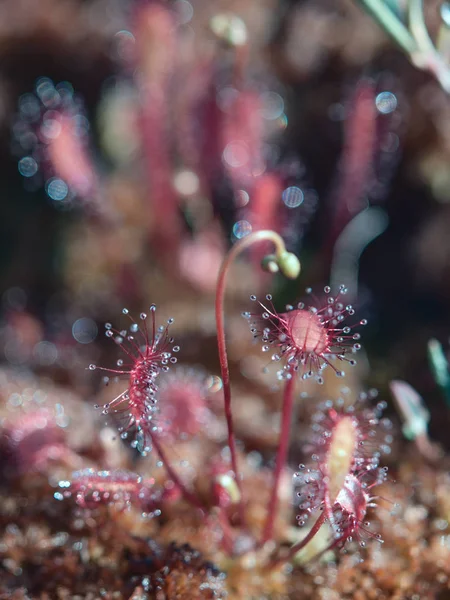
(289, 265)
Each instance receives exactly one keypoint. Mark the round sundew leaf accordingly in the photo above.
(307, 331)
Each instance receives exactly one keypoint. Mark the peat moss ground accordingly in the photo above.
(54, 549)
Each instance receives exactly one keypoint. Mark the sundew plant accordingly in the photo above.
(334, 493)
(224, 332)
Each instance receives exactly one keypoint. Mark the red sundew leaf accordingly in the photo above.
(356, 168)
(307, 338)
(146, 353)
(54, 120)
(70, 160)
(32, 440)
(347, 445)
(242, 136)
(119, 488)
(155, 59)
(182, 401)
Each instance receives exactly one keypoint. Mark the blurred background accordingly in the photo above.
(141, 139)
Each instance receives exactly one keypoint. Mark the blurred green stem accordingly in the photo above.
(391, 24)
(439, 367)
(414, 39)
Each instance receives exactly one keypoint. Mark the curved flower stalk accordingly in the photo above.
(289, 265)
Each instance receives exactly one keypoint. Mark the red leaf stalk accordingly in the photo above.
(283, 446)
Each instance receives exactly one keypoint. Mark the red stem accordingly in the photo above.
(283, 446)
(299, 545)
(222, 346)
(189, 496)
(225, 372)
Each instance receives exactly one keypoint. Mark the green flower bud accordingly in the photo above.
(289, 265)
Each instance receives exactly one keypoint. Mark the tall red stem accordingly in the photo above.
(283, 446)
(221, 341)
